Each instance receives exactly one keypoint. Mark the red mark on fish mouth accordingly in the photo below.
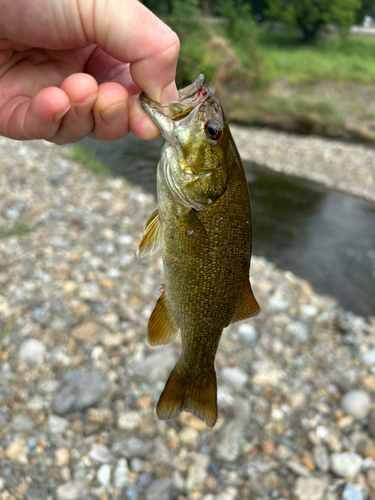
(201, 93)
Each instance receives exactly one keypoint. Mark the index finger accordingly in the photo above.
(130, 32)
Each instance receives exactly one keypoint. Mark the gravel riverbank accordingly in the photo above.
(79, 383)
(343, 166)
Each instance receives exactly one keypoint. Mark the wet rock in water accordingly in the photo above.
(309, 488)
(346, 464)
(356, 403)
(353, 492)
(33, 350)
(82, 390)
(234, 376)
(160, 489)
(72, 490)
(104, 474)
(321, 457)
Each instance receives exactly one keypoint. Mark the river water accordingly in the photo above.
(324, 236)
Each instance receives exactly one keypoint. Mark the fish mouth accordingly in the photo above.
(188, 99)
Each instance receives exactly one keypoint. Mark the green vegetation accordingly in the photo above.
(15, 229)
(309, 16)
(349, 59)
(89, 160)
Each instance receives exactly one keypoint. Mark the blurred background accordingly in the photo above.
(306, 67)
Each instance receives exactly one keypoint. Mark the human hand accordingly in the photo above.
(74, 68)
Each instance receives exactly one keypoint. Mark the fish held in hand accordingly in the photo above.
(203, 226)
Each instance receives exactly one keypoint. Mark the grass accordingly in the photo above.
(16, 229)
(351, 59)
(89, 160)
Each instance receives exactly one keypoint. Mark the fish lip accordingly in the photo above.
(151, 106)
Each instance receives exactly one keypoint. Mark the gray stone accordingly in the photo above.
(369, 357)
(160, 489)
(346, 464)
(33, 350)
(298, 468)
(371, 424)
(356, 403)
(321, 457)
(34, 493)
(131, 447)
(89, 291)
(121, 477)
(309, 488)
(82, 390)
(57, 425)
(136, 465)
(2, 484)
(72, 490)
(100, 453)
(352, 492)
(298, 331)
(359, 442)
(229, 446)
(234, 376)
(248, 333)
(22, 422)
(104, 474)
(154, 365)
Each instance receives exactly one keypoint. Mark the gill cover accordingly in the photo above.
(192, 159)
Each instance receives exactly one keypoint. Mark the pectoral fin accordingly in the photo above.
(150, 241)
(248, 306)
(162, 326)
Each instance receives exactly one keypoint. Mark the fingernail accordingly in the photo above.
(169, 93)
(61, 115)
(114, 114)
(84, 108)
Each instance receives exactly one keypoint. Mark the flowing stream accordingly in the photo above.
(322, 235)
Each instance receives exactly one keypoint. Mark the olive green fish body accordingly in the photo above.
(204, 227)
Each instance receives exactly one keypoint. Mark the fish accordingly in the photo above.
(203, 227)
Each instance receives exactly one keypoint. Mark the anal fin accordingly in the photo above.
(150, 241)
(162, 326)
(248, 306)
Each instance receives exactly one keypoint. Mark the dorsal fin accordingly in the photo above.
(162, 326)
(150, 241)
(248, 306)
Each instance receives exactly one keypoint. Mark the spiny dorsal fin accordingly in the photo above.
(150, 241)
(248, 305)
(162, 326)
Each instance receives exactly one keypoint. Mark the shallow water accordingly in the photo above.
(324, 236)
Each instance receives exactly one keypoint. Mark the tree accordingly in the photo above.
(310, 15)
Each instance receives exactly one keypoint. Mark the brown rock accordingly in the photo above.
(189, 420)
(85, 331)
(369, 382)
(267, 447)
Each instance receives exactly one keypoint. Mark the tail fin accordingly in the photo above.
(184, 393)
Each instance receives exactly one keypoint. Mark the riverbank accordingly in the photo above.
(79, 384)
(335, 164)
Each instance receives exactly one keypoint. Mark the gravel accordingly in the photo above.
(79, 384)
(322, 159)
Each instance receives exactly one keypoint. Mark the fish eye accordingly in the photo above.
(213, 130)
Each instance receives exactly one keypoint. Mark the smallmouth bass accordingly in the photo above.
(203, 226)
